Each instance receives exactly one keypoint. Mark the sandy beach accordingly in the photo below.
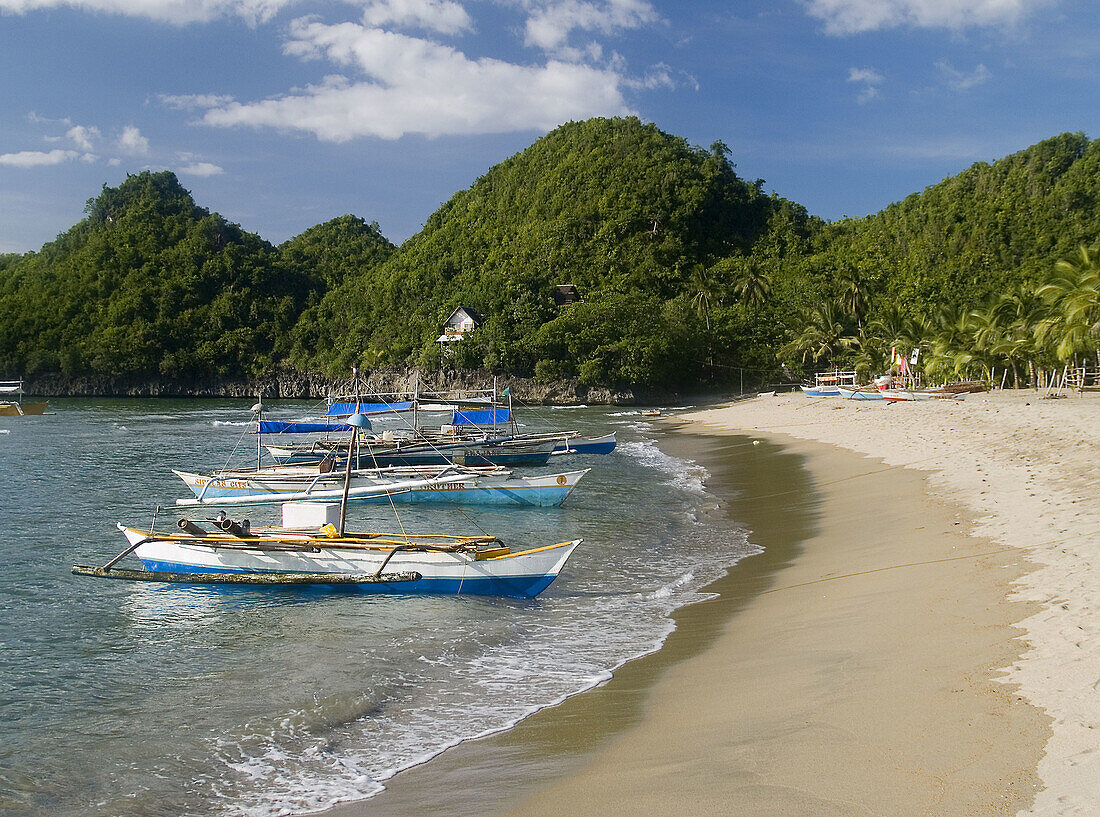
(1023, 468)
(915, 638)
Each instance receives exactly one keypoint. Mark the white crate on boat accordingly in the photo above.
(310, 514)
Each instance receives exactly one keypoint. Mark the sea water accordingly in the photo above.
(121, 698)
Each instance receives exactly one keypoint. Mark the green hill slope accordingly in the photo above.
(623, 211)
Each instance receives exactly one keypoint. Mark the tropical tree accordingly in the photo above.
(1074, 293)
(825, 334)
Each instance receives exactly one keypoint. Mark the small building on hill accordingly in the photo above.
(565, 294)
(462, 320)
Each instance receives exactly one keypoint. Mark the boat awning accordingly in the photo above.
(481, 417)
(277, 427)
(347, 409)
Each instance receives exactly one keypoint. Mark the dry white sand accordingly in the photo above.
(1025, 468)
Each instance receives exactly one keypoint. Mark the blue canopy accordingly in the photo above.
(275, 427)
(347, 409)
(480, 417)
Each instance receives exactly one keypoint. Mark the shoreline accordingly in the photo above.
(644, 742)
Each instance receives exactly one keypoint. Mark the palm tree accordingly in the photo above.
(1022, 317)
(825, 334)
(753, 285)
(853, 295)
(703, 293)
(1074, 294)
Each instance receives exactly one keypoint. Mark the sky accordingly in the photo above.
(283, 114)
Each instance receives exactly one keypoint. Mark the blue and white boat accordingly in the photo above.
(864, 393)
(829, 384)
(375, 562)
(444, 484)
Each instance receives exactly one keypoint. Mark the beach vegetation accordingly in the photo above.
(691, 276)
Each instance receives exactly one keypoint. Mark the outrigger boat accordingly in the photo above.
(450, 484)
(479, 431)
(311, 548)
(378, 561)
(861, 393)
(828, 384)
(15, 407)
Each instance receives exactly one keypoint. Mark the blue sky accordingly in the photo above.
(281, 114)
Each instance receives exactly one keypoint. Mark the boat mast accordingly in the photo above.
(354, 422)
(259, 411)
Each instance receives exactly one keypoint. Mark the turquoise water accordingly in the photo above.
(122, 698)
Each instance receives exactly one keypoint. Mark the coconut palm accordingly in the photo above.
(825, 334)
(1074, 293)
(753, 284)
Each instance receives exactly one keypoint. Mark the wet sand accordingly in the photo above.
(850, 668)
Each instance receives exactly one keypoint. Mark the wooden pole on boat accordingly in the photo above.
(353, 421)
(259, 410)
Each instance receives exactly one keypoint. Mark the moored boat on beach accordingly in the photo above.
(861, 393)
(828, 384)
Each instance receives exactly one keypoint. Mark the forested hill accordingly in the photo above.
(978, 234)
(630, 215)
(150, 285)
(687, 273)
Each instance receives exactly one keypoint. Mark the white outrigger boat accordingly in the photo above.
(320, 555)
(449, 484)
(311, 548)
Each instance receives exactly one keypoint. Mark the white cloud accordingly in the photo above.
(37, 158)
(960, 80)
(443, 16)
(870, 79)
(83, 137)
(131, 141)
(191, 102)
(178, 12)
(418, 86)
(201, 169)
(854, 16)
(550, 24)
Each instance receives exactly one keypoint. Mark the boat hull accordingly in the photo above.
(820, 391)
(544, 491)
(515, 575)
(21, 409)
(861, 394)
(462, 453)
(586, 445)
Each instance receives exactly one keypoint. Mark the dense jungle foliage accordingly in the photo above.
(688, 274)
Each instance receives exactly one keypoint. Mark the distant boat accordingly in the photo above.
(446, 484)
(911, 395)
(821, 391)
(907, 395)
(827, 384)
(15, 407)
